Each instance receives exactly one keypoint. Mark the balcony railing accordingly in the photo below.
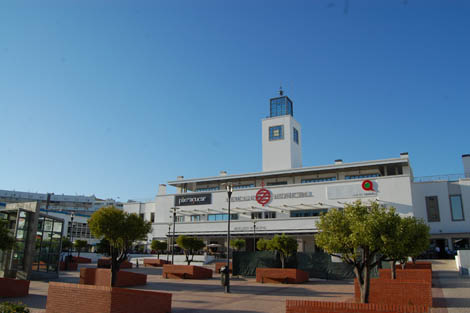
(444, 177)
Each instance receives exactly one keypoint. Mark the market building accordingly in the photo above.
(288, 198)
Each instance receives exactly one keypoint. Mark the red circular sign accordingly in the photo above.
(263, 196)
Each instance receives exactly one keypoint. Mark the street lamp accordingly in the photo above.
(168, 242)
(254, 235)
(173, 239)
(71, 231)
(227, 273)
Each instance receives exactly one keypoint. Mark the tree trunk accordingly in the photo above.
(366, 288)
(283, 261)
(394, 269)
(114, 266)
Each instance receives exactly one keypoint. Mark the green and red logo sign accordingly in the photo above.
(367, 185)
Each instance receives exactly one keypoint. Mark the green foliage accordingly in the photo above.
(8, 307)
(238, 244)
(357, 234)
(80, 245)
(103, 247)
(190, 245)
(66, 244)
(121, 229)
(263, 244)
(7, 241)
(158, 246)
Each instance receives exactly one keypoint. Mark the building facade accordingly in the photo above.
(288, 198)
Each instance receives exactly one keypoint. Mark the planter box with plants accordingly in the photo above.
(186, 272)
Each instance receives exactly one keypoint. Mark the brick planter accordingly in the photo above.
(281, 275)
(71, 266)
(219, 265)
(407, 274)
(419, 265)
(74, 298)
(102, 277)
(155, 262)
(186, 272)
(402, 292)
(13, 288)
(305, 306)
(81, 260)
(106, 263)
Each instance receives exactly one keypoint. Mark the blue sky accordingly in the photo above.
(114, 97)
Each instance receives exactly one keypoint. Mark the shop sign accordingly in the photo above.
(348, 191)
(194, 199)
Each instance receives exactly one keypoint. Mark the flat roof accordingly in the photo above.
(300, 170)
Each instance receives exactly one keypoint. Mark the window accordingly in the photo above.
(296, 135)
(362, 176)
(281, 106)
(456, 207)
(269, 214)
(244, 186)
(207, 189)
(221, 217)
(152, 217)
(432, 209)
(307, 213)
(276, 132)
(180, 219)
(317, 180)
(195, 218)
(256, 215)
(276, 183)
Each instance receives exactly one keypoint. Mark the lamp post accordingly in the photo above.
(227, 273)
(254, 235)
(71, 231)
(173, 239)
(168, 242)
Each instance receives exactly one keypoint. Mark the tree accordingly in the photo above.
(66, 244)
(238, 244)
(263, 244)
(355, 235)
(190, 245)
(158, 246)
(409, 238)
(7, 241)
(79, 245)
(103, 247)
(284, 245)
(121, 229)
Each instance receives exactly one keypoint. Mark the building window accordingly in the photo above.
(307, 213)
(276, 183)
(180, 219)
(276, 132)
(296, 135)
(221, 217)
(456, 207)
(361, 176)
(432, 209)
(244, 186)
(152, 217)
(269, 214)
(256, 215)
(195, 218)
(317, 180)
(281, 106)
(207, 189)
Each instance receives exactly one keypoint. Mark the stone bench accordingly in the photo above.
(155, 262)
(307, 306)
(102, 277)
(13, 288)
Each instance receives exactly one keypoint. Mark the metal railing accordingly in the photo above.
(444, 177)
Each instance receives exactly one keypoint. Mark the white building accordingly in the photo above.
(288, 198)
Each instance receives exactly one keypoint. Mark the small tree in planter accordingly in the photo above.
(103, 247)
(285, 245)
(355, 234)
(237, 244)
(79, 245)
(263, 244)
(66, 244)
(121, 229)
(158, 246)
(408, 238)
(190, 245)
(7, 241)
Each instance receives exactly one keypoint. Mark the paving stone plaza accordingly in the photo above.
(450, 292)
